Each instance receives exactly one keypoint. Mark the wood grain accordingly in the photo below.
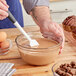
(23, 69)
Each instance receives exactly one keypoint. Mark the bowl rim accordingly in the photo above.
(59, 44)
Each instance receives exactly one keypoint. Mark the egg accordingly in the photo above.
(5, 45)
(3, 36)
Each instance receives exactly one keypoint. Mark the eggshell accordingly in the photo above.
(3, 36)
(5, 45)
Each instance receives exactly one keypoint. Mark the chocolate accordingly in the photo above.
(60, 72)
(67, 28)
(73, 29)
(67, 69)
(68, 65)
(74, 35)
(67, 74)
(73, 64)
(70, 23)
(73, 71)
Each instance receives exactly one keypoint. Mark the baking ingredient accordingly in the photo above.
(43, 43)
(4, 45)
(67, 69)
(69, 24)
(3, 36)
(44, 54)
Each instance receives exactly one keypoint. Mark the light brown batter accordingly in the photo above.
(39, 55)
(45, 43)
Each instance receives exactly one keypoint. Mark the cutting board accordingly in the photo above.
(24, 69)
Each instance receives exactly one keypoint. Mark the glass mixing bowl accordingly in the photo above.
(36, 56)
(56, 65)
(6, 50)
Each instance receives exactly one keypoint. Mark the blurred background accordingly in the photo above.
(59, 10)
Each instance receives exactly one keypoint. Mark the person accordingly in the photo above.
(38, 9)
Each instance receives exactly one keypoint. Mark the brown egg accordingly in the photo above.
(5, 45)
(3, 36)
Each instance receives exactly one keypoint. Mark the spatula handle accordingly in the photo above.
(11, 17)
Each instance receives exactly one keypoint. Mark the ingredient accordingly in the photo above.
(44, 54)
(3, 36)
(69, 24)
(5, 45)
(67, 69)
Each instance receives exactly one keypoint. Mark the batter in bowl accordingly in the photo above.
(45, 53)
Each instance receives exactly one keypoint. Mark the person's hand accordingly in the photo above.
(3, 9)
(53, 31)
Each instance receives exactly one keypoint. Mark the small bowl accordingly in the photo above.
(56, 65)
(5, 51)
(36, 56)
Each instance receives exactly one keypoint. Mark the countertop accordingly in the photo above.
(24, 69)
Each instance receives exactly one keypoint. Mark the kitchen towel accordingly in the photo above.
(6, 69)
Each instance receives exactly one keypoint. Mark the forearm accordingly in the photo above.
(41, 15)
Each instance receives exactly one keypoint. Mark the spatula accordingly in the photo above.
(33, 42)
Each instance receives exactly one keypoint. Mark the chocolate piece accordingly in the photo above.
(67, 69)
(68, 65)
(57, 70)
(73, 29)
(67, 74)
(63, 74)
(67, 28)
(73, 71)
(73, 64)
(61, 66)
(74, 67)
(63, 69)
(74, 35)
(60, 72)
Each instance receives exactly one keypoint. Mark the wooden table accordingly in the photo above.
(24, 69)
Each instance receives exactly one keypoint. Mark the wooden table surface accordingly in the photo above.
(24, 69)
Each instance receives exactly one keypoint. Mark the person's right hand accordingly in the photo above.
(3, 9)
(52, 30)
